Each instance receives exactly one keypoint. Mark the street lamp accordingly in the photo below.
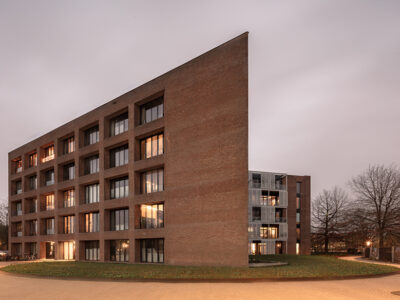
(368, 243)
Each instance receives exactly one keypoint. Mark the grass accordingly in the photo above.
(298, 267)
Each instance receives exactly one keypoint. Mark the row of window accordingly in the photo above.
(151, 216)
(149, 112)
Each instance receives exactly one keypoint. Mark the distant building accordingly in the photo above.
(279, 213)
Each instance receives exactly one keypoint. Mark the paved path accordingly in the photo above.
(365, 260)
(13, 287)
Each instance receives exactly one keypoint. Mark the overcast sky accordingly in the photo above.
(324, 76)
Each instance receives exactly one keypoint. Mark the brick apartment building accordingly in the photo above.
(279, 213)
(157, 175)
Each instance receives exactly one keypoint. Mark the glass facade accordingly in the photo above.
(152, 215)
(152, 181)
(152, 250)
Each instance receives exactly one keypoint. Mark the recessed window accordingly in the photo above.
(18, 166)
(31, 205)
(69, 145)
(92, 164)
(69, 198)
(119, 156)
(18, 187)
(256, 214)
(92, 193)
(92, 221)
(69, 171)
(49, 177)
(18, 229)
(92, 250)
(32, 160)
(91, 135)
(119, 124)
(119, 250)
(297, 217)
(256, 180)
(18, 209)
(49, 199)
(48, 154)
(119, 188)
(152, 111)
(269, 232)
(68, 224)
(32, 227)
(32, 181)
(50, 226)
(152, 250)
(152, 215)
(119, 219)
(152, 181)
(297, 202)
(298, 188)
(152, 146)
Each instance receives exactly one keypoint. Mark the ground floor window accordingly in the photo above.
(67, 250)
(152, 250)
(92, 250)
(297, 248)
(119, 250)
(31, 249)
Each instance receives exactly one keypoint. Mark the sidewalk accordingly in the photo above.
(365, 260)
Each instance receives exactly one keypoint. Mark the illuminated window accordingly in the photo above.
(119, 250)
(91, 135)
(119, 124)
(67, 250)
(68, 224)
(92, 221)
(269, 232)
(49, 201)
(298, 233)
(152, 215)
(69, 198)
(152, 111)
(32, 160)
(153, 181)
(119, 219)
(92, 193)
(297, 202)
(297, 248)
(119, 188)
(119, 156)
(69, 145)
(48, 153)
(152, 250)
(152, 146)
(18, 166)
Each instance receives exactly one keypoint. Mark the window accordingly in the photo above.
(152, 216)
(69, 145)
(32, 182)
(298, 188)
(119, 219)
(256, 213)
(18, 187)
(69, 171)
(91, 135)
(297, 202)
(67, 250)
(49, 201)
(32, 160)
(50, 226)
(48, 154)
(18, 228)
(92, 194)
(256, 180)
(152, 250)
(298, 233)
(32, 205)
(18, 165)
(92, 164)
(18, 209)
(119, 124)
(152, 146)
(92, 222)
(119, 250)
(92, 250)
(119, 188)
(269, 232)
(119, 156)
(153, 181)
(297, 217)
(297, 248)
(49, 177)
(69, 198)
(32, 227)
(152, 111)
(68, 224)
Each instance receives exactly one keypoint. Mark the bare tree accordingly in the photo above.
(377, 192)
(328, 209)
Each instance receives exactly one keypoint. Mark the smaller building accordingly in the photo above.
(279, 214)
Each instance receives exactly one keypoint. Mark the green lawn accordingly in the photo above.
(298, 267)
